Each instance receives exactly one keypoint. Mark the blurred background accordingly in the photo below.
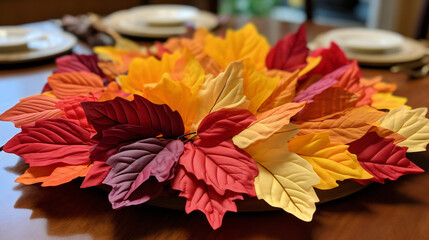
(408, 17)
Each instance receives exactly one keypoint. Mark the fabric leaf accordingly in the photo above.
(290, 52)
(51, 141)
(330, 161)
(285, 180)
(412, 124)
(75, 83)
(332, 58)
(223, 124)
(224, 167)
(53, 175)
(96, 175)
(387, 101)
(204, 198)
(382, 159)
(72, 110)
(267, 124)
(31, 109)
(140, 111)
(134, 164)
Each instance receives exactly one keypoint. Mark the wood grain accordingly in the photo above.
(395, 210)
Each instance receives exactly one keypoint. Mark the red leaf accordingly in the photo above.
(224, 167)
(134, 164)
(289, 53)
(118, 136)
(96, 174)
(73, 111)
(332, 58)
(382, 159)
(204, 198)
(223, 124)
(51, 141)
(140, 111)
(78, 63)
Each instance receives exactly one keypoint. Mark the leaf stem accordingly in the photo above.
(1, 148)
(184, 135)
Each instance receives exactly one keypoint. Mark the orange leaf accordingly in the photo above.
(53, 175)
(284, 92)
(329, 103)
(74, 83)
(31, 109)
(349, 127)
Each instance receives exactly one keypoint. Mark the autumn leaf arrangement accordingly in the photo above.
(213, 119)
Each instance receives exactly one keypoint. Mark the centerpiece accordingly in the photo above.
(213, 120)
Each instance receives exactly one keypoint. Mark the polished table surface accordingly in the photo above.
(395, 210)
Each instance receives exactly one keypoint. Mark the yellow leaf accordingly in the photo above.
(245, 43)
(312, 62)
(285, 180)
(176, 95)
(267, 124)
(224, 91)
(189, 70)
(257, 86)
(412, 124)
(330, 161)
(147, 70)
(387, 101)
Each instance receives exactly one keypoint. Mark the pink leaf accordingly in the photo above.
(289, 53)
(51, 141)
(140, 111)
(382, 159)
(134, 164)
(223, 124)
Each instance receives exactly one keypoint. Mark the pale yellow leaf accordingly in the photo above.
(332, 162)
(285, 179)
(224, 91)
(412, 124)
(267, 124)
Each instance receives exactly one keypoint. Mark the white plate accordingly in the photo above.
(163, 14)
(409, 50)
(13, 36)
(126, 23)
(364, 39)
(53, 43)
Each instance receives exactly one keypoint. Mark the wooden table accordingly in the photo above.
(395, 210)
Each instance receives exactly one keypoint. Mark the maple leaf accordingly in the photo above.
(134, 164)
(245, 43)
(223, 167)
(285, 179)
(284, 91)
(31, 109)
(267, 124)
(223, 124)
(412, 124)
(75, 83)
(382, 159)
(350, 126)
(332, 58)
(224, 91)
(321, 85)
(140, 111)
(53, 175)
(290, 52)
(330, 102)
(204, 198)
(332, 162)
(51, 141)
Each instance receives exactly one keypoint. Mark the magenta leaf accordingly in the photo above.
(223, 124)
(51, 141)
(382, 159)
(289, 53)
(321, 85)
(133, 166)
(140, 111)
